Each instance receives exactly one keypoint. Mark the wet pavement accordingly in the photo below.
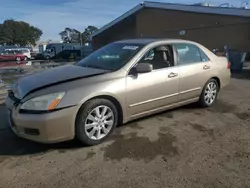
(185, 147)
(12, 70)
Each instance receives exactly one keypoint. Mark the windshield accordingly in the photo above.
(111, 57)
(24, 51)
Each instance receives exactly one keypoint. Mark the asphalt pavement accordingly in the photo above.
(186, 147)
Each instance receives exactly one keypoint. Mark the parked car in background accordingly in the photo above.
(10, 55)
(25, 51)
(120, 82)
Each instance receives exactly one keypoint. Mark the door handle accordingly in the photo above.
(171, 75)
(206, 67)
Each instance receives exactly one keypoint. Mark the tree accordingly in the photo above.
(88, 31)
(70, 35)
(18, 33)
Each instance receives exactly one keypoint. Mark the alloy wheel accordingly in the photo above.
(99, 122)
(210, 93)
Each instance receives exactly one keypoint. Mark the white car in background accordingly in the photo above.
(26, 52)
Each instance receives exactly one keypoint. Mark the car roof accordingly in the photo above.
(145, 41)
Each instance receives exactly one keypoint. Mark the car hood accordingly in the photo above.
(53, 76)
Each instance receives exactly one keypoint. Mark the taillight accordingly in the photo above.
(228, 65)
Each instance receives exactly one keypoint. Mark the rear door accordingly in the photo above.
(194, 69)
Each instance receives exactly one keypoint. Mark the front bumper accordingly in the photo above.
(51, 127)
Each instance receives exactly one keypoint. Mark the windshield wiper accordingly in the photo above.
(94, 66)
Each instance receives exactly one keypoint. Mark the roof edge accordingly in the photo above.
(177, 7)
(123, 16)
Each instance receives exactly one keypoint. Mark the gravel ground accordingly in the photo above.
(186, 147)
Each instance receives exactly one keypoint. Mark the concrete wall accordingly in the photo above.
(213, 31)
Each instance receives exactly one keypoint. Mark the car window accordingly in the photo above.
(204, 57)
(10, 52)
(188, 53)
(160, 57)
(24, 51)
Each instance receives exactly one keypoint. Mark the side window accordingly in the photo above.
(204, 57)
(188, 54)
(11, 52)
(160, 57)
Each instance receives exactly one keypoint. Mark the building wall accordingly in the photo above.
(126, 29)
(213, 31)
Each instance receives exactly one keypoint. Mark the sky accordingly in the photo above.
(52, 16)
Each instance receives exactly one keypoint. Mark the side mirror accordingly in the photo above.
(144, 67)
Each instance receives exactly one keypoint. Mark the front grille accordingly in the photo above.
(33, 132)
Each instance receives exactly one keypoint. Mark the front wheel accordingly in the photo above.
(96, 121)
(209, 93)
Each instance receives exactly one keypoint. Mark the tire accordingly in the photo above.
(18, 58)
(25, 58)
(206, 93)
(89, 135)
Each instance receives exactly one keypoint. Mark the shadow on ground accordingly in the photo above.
(11, 145)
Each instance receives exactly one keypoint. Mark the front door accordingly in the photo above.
(194, 69)
(153, 90)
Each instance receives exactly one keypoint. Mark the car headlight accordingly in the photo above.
(44, 102)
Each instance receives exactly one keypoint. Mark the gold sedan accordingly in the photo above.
(120, 82)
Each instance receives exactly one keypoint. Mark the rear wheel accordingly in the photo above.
(209, 93)
(96, 121)
(18, 58)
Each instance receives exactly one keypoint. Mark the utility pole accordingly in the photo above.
(80, 38)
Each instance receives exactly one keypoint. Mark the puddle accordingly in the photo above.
(133, 125)
(202, 129)
(243, 115)
(169, 115)
(90, 155)
(141, 148)
(222, 107)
